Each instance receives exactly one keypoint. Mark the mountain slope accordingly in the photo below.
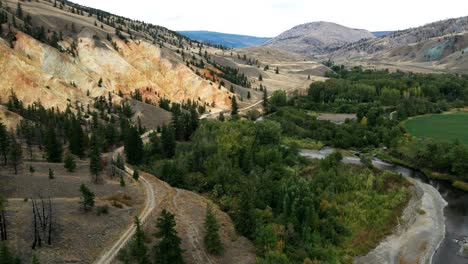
(379, 34)
(317, 37)
(441, 46)
(227, 40)
(60, 54)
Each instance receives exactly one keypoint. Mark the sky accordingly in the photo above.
(269, 18)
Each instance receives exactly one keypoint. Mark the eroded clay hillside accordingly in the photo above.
(60, 54)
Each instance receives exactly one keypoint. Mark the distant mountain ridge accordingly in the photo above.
(442, 44)
(379, 34)
(228, 40)
(317, 37)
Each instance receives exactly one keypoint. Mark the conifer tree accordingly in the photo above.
(235, 107)
(212, 240)
(168, 141)
(19, 11)
(221, 117)
(4, 143)
(70, 163)
(51, 174)
(265, 100)
(168, 249)
(138, 248)
(15, 154)
(134, 147)
(87, 197)
(35, 260)
(136, 175)
(53, 146)
(78, 139)
(95, 165)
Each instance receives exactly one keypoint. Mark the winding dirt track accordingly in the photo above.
(110, 254)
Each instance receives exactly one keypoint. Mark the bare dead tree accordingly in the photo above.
(42, 222)
(37, 238)
(49, 240)
(3, 228)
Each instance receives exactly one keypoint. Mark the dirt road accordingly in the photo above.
(189, 209)
(110, 254)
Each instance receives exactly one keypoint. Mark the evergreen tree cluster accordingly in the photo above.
(166, 251)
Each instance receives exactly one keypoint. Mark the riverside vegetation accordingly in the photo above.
(293, 209)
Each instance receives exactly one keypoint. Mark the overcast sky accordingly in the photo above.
(268, 18)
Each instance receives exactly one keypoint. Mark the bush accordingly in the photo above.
(102, 210)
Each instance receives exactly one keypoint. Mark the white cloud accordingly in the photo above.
(268, 18)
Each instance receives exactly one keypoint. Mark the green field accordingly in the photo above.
(442, 128)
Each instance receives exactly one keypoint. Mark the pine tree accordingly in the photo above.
(15, 154)
(260, 77)
(265, 100)
(168, 141)
(134, 147)
(53, 146)
(122, 182)
(4, 143)
(168, 249)
(95, 165)
(51, 174)
(87, 197)
(249, 95)
(221, 117)
(138, 248)
(70, 163)
(78, 139)
(100, 82)
(212, 240)
(19, 11)
(136, 175)
(35, 260)
(235, 107)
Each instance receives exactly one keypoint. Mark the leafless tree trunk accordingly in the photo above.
(42, 222)
(3, 229)
(37, 238)
(49, 240)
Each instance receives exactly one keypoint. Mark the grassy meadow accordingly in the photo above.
(441, 127)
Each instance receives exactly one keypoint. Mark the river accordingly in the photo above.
(456, 212)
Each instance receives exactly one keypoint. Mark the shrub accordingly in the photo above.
(102, 210)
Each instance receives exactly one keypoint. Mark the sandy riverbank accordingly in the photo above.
(419, 234)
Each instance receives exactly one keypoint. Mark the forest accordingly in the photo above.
(407, 93)
(293, 209)
(289, 206)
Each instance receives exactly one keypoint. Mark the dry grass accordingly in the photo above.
(78, 237)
